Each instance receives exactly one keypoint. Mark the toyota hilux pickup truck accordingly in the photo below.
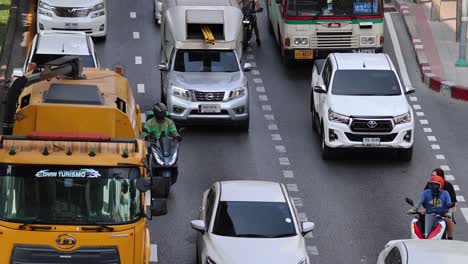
(358, 101)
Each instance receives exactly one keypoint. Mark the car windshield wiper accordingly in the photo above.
(282, 235)
(252, 235)
(99, 227)
(33, 227)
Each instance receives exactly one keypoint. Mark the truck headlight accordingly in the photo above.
(339, 118)
(301, 41)
(401, 119)
(181, 93)
(98, 7)
(46, 6)
(368, 40)
(238, 92)
(209, 261)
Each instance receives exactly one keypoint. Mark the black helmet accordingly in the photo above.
(160, 110)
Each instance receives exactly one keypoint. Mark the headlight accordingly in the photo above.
(401, 119)
(368, 40)
(301, 41)
(98, 7)
(238, 92)
(209, 261)
(181, 93)
(339, 118)
(46, 6)
(98, 14)
(44, 12)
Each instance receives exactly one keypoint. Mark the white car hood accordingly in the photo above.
(234, 250)
(368, 105)
(73, 3)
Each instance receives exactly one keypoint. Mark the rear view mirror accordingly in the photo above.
(143, 185)
(409, 201)
(247, 67)
(320, 89)
(198, 225)
(158, 207)
(163, 67)
(307, 227)
(18, 73)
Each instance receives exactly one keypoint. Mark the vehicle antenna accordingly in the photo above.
(63, 47)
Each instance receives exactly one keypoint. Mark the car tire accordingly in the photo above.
(314, 114)
(405, 154)
(244, 125)
(327, 152)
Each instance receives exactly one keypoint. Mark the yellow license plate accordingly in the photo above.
(303, 54)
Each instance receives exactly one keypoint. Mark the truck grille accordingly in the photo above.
(369, 125)
(72, 11)
(209, 96)
(23, 254)
(359, 137)
(334, 40)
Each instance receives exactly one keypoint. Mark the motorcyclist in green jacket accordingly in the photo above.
(160, 123)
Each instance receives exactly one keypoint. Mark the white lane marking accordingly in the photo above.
(133, 15)
(427, 129)
(420, 113)
(289, 174)
(266, 107)
(255, 72)
(460, 198)
(413, 99)
(249, 49)
(417, 107)
(397, 49)
(302, 217)
(445, 167)
(284, 161)
(465, 213)
(292, 188)
(456, 187)
(280, 148)
(424, 122)
(276, 137)
(272, 127)
(309, 235)
(431, 138)
(440, 157)
(258, 80)
(260, 89)
(297, 202)
(154, 253)
(141, 88)
(250, 57)
(449, 177)
(435, 146)
(136, 35)
(312, 250)
(263, 98)
(269, 117)
(253, 64)
(138, 60)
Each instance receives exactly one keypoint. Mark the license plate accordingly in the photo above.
(209, 108)
(303, 54)
(71, 25)
(371, 141)
(364, 51)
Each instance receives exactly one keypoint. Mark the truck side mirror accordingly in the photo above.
(163, 67)
(158, 207)
(320, 89)
(198, 225)
(247, 67)
(307, 227)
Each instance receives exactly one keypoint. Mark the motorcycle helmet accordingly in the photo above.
(160, 110)
(436, 184)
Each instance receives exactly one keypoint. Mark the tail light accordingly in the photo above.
(382, 39)
(435, 231)
(416, 231)
(31, 66)
(287, 42)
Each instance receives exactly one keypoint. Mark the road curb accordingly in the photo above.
(435, 83)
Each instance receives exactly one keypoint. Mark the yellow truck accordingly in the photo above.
(74, 185)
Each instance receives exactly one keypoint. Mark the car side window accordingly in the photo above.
(326, 73)
(210, 201)
(393, 257)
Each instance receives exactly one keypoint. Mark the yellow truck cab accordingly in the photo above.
(74, 182)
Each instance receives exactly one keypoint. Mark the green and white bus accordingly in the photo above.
(308, 29)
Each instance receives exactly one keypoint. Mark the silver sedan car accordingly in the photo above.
(157, 5)
(250, 222)
(412, 251)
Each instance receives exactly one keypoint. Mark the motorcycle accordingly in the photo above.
(432, 224)
(162, 157)
(250, 18)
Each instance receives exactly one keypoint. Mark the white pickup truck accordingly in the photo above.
(358, 101)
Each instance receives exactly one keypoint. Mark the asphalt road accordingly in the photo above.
(357, 203)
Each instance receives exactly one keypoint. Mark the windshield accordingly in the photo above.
(314, 8)
(254, 219)
(206, 61)
(69, 195)
(41, 59)
(365, 82)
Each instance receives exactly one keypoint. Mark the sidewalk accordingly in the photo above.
(435, 47)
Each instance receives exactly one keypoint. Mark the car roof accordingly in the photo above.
(437, 251)
(251, 191)
(362, 61)
(62, 43)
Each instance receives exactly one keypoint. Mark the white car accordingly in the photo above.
(250, 222)
(424, 251)
(87, 16)
(51, 45)
(157, 10)
(358, 101)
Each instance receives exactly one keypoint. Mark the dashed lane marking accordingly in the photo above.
(464, 213)
(253, 64)
(420, 113)
(280, 148)
(460, 198)
(284, 161)
(456, 187)
(269, 117)
(154, 253)
(260, 89)
(138, 60)
(258, 80)
(431, 138)
(250, 57)
(427, 129)
(272, 127)
(297, 202)
(417, 107)
(435, 146)
(445, 167)
(423, 122)
(141, 88)
(263, 98)
(449, 177)
(312, 250)
(136, 35)
(255, 72)
(292, 187)
(276, 137)
(288, 174)
(440, 157)
(309, 235)
(413, 99)
(266, 107)
(302, 217)
(133, 15)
